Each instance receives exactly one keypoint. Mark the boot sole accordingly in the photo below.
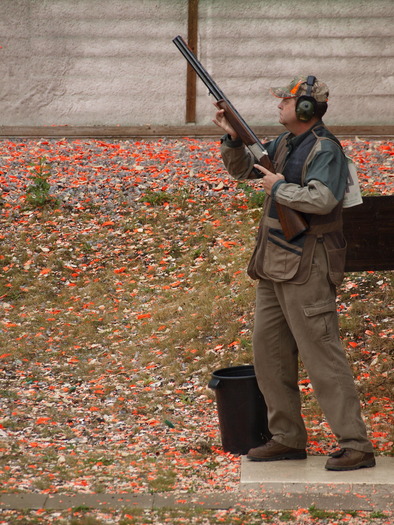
(279, 457)
(367, 464)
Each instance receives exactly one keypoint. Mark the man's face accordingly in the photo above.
(287, 115)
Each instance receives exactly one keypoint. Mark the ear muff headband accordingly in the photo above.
(306, 105)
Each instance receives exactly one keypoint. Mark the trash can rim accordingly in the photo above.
(235, 372)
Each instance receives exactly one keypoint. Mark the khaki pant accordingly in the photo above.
(301, 320)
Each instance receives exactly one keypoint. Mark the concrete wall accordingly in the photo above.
(112, 62)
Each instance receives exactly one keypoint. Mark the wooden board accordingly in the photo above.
(369, 231)
(187, 130)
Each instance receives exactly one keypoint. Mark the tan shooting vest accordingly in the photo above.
(279, 260)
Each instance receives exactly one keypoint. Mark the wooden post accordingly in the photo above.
(192, 37)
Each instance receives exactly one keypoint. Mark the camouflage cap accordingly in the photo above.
(297, 88)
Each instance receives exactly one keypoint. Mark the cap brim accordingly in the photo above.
(281, 92)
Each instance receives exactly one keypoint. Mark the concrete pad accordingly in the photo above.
(283, 484)
(207, 501)
(25, 500)
(312, 470)
(96, 501)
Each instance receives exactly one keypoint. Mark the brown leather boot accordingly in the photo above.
(350, 459)
(274, 451)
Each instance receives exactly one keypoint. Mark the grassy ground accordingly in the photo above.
(111, 325)
(159, 296)
(83, 516)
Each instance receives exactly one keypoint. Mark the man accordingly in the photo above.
(295, 313)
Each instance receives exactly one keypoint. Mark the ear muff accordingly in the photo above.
(306, 105)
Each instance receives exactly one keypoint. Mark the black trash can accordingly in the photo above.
(241, 409)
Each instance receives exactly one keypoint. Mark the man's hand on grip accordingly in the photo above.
(269, 178)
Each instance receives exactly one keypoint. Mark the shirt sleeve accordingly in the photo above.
(239, 160)
(325, 182)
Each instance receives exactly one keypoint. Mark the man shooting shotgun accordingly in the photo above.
(295, 314)
(292, 222)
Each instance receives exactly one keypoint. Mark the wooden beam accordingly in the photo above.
(190, 130)
(192, 36)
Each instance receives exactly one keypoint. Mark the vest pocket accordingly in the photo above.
(281, 259)
(336, 264)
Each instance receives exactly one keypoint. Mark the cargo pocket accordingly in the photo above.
(321, 320)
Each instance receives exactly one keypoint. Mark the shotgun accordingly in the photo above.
(292, 222)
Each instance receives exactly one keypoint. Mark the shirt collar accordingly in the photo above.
(294, 140)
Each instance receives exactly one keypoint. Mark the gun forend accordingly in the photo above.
(245, 134)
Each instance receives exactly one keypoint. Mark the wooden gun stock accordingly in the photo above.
(292, 222)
